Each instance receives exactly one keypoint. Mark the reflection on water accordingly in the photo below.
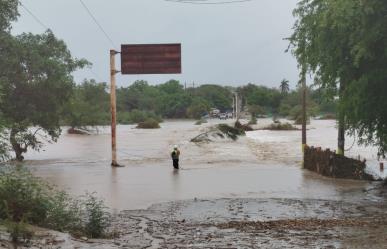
(257, 166)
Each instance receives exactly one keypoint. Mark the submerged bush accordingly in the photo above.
(231, 132)
(281, 127)
(137, 116)
(150, 123)
(26, 199)
(243, 127)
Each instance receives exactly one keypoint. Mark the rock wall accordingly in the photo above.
(328, 163)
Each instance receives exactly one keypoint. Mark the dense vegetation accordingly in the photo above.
(344, 45)
(35, 84)
(141, 101)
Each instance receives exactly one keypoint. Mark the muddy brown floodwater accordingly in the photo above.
(265, 164)
(251, 193)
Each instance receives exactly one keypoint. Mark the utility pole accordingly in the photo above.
(341, 127)
(233, 105)
(236, 106)
(113, 72)
(303, 112)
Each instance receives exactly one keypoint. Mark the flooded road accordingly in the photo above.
(264, 164)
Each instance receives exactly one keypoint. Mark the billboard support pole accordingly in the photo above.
(113, 72)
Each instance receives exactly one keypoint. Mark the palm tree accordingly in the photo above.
(284, 86)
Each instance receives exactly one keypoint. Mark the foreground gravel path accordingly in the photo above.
(240, 223)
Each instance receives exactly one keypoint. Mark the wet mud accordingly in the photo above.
(265, 223)
(245, 223)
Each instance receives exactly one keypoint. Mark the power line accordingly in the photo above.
(35, 17)
(96, 22)
(208, 1)
(46, 27)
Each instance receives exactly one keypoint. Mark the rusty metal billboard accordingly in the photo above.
(151, 59)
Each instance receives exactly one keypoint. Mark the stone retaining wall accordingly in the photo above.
(328, 163)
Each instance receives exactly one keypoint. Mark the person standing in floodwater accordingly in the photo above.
(175, 157)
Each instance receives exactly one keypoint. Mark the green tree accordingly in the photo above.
(198, 108)
(216, 96)
(89, 105)
(36, 83)
(344, 44)
(284, 86)
(8, 13)
(268, 98)
(254, 111)
(171, 87)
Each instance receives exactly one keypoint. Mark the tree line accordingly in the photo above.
(90, 105)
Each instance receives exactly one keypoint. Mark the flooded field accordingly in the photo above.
(264, 164)
(251, 193)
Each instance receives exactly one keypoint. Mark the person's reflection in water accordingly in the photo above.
(176, 181)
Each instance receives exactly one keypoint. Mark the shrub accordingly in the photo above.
(23, 194)
(150, 123)
(253, 120)
(65, 214)
(19, 232)
(97, 218)
(26, 199)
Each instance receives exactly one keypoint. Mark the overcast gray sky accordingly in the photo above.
(231, 44)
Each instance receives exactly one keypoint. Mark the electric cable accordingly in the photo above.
(208, 1)
(47, 28)
(34, 16)
(97, 23)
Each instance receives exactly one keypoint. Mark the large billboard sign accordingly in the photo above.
(151, 59)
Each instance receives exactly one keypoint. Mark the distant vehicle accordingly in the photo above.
(214, 112)
(229, 115)
(223, 116)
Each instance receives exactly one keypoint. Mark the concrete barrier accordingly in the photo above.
(328, 163)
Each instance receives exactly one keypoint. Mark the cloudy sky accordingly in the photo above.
(229, 44)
